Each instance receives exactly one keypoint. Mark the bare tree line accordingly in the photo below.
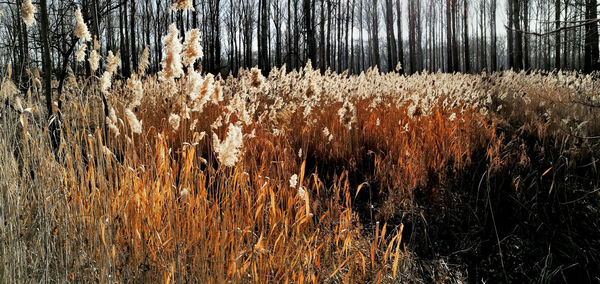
(395, 35)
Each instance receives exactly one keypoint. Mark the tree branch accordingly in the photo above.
(584, 23)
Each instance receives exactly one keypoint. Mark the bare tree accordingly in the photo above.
(466, 36)
(518, 43)
(362, 47)
(399, 25)
(277, 14)
(132, 37)
(450, 63)
(460, 35)
(247, 16)
(352, 67)
(46, 59)
(413, 34)
(509, 35)
(391, 39)
(526, 38)
(263, 35)
(591, 37)
(310, 34)
(557, 36)
(375, 34)
(493, 38)
(454, 24)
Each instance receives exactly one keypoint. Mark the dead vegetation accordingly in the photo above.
(378, 178)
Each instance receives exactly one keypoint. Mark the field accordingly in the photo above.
(303, 177)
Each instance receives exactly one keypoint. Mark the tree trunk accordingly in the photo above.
(412, 36)
(24, 38)
(217, 37)
(518, 49)
(248, 31)
(296, 45)
(557, 42)
(123, 33)
(362, 46)
(47, 69)
(277, 21)
(391, 40)
(322, 39)
(399, 25)
(157, 35)
(338, 38)
(310, 34)
(289, 35)
(346, 32)
(493, 38)
(450, 63)
(46, 59)
(483, 44)
(509, 36)
(147, 27)
(132, 26)
(455, 62)
(419, 33)
(591, 38)
(328, 51)
(526, 39)
(352, 67)
(564, 59)
(375, 34)
(466, 36)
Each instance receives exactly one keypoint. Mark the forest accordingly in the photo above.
(299, 141)
(466, 36)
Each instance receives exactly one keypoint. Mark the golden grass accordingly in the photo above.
(158, 206)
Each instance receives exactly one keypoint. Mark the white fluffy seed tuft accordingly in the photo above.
(192, 49)
(172, 67)
(81, 53)
(81, 29)
(174, 121)
(293, 180)
(229, 150)
(134, 123)
(28, 13)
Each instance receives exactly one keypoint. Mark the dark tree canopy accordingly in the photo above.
(451, 35)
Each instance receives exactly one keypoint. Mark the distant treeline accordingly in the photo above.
(395, 35)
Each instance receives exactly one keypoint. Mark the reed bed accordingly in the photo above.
(294, 177)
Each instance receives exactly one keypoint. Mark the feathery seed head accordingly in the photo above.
(293, 180)
(144, 61)
(257, 78)
(229, 150)
(171, 64)
(105, 82)
(112, 62)
(136, 87)
(112, 122)
(452, 117)
(81, 53)
(134, 123)
(182, 5)
(28, 12)
(94, 60)
(81, 29)
(192, 50)
(174, 121)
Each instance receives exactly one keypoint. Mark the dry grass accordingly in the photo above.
(367, 150)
